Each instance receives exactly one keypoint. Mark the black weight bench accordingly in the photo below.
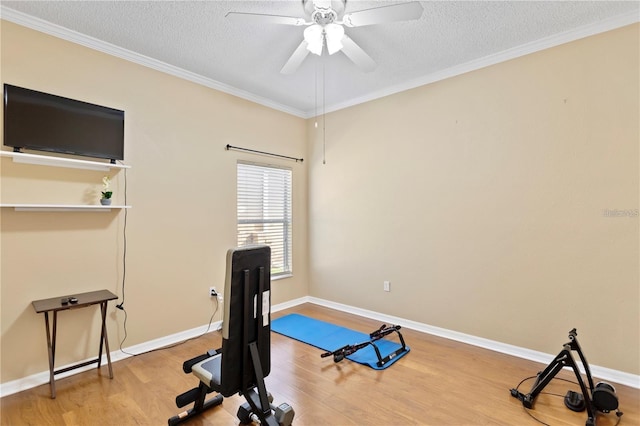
(244, 360)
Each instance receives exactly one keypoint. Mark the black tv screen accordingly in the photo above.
(45, 122)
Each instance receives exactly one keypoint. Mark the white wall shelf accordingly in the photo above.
(48, 160)
(61, 207)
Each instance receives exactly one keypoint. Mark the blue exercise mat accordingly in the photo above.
(330, 337)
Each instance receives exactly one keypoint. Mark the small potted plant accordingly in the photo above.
(106, 193)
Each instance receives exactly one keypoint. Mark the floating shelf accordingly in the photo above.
(47, 160)
(61, 207)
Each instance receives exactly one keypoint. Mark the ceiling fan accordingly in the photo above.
(325, 24)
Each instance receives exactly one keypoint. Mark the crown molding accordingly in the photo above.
(61, 32)
(496, 58)
(506, 55)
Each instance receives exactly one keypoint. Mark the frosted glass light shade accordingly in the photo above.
(333, 34)
(314, 37)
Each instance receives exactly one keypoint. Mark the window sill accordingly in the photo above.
(279, 277)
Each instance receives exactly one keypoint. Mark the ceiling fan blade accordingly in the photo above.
(380, 15)
(266, 19)
(357, 55)
(296, 59)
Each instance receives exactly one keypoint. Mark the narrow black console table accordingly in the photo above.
(64, 303)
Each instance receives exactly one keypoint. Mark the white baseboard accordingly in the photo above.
(603, 373)
(42, 378)
(291, 304)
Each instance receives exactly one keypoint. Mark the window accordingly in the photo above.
(264, 212)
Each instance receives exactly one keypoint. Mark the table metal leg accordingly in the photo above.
(104, 338)
(51, 351)
(102, 313)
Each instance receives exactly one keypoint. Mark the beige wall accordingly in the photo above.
(481, 199)
(182, 189)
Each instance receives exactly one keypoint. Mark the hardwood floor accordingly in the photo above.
(439, 382)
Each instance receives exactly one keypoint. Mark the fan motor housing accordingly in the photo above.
(330, 7)
(324, 17)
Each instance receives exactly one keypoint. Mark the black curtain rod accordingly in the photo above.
(264, 153)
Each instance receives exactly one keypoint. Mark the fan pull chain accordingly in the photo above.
(324, 116)
(316, 96)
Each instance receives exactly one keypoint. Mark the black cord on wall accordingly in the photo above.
(124, 248)
(124, 280)
(124, 263)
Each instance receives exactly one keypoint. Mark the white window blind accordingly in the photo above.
(264, 212)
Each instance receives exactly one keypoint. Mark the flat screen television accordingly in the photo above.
(45, 122)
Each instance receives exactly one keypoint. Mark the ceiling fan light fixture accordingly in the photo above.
(334, 34)
(314, 37)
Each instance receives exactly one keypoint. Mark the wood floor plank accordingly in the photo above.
(440, 382)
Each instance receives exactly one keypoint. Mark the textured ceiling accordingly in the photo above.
(245, 58)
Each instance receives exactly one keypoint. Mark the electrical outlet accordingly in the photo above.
(213, 292)
(386, 286)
